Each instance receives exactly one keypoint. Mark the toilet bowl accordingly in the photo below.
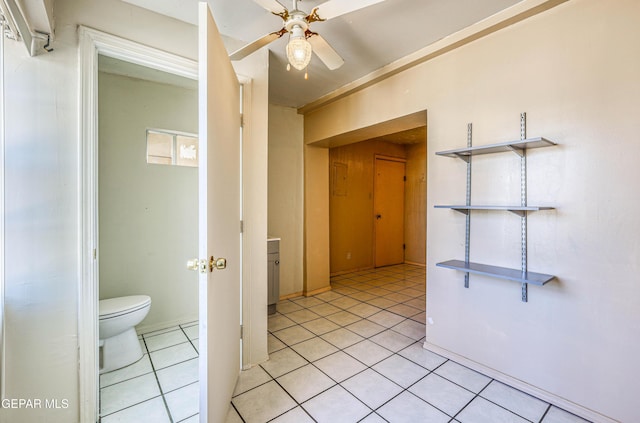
(119, 344)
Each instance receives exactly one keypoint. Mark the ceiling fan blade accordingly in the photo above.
(325, 52)
(257, 44)
(272, 6)
(334, 8)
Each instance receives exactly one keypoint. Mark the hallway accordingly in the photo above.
(355, 354)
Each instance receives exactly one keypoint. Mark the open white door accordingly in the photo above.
(219, 222)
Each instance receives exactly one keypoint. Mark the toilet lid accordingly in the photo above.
(121, 305)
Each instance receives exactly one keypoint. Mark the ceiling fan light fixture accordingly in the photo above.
(298, 49)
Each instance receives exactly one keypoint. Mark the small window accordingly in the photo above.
(172, 148)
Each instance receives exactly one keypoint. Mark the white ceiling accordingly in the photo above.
(367, 39)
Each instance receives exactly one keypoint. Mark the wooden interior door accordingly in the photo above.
(388, 209)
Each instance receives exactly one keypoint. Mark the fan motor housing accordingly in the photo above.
(299, 18)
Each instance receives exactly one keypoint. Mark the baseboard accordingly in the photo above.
(305, 293)
(317, 291)
(289, 296)
(357, 269)
(164, 325)
(553, 399)
(360, 269)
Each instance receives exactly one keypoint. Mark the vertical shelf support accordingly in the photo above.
(467, 235)
(523, 202)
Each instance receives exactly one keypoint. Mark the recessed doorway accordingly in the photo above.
(377, 202)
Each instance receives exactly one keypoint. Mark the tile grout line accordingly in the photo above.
(336, 383)
(127, 379)
(129, 406)
(148, 399)
(545, 414)
(367, 367)
(164, 400)
(505, 408)
(187, 418)
(237, 412)
(405, 318)
(411, 393)
(190, 341)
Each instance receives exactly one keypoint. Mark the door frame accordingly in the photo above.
(91, 44)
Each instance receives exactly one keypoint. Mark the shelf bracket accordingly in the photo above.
(521, 213)
(519, 151)
(463, 211)
(465, 157)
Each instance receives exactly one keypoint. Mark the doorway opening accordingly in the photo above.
(147, 230)
(377, 202)
(94, 44)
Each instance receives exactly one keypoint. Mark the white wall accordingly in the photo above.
(41, 230)
(574, 70)
(42, 183)
(148, 214)
(286, 197)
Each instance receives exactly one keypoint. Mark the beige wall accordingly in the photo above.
(148, 213)
(351, 211)
(286, 183)
(574, 70)
(415, 204)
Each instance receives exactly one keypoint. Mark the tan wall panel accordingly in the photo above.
(316, 215)
(415, 232)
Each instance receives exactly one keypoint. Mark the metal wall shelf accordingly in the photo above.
(498, 272)
(519, 210)
(517, 147)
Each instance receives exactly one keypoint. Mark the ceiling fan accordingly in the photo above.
(303, 41)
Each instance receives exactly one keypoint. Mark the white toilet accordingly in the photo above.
(119, 344)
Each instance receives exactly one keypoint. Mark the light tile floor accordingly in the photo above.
(354, 354)
(161, 387)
